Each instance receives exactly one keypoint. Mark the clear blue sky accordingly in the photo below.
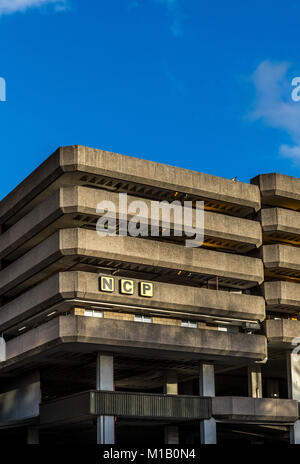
(196, 83)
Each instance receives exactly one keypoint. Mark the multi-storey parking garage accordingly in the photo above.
(142, 340)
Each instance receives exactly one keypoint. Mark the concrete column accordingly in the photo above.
(293, 377)
(33, 436)
(105, 381)
(255, 381)
(208, 428)
(2, 349)
(171, 388)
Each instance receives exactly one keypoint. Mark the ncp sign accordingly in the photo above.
(126, 286)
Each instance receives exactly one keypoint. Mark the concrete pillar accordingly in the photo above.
(171, 388)
(208, 428)
(295, 433)
(105, 381)
(293, 378)
(2, 349)
(33, 436)
(255, 381)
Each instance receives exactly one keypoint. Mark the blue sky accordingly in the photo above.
(199, 84)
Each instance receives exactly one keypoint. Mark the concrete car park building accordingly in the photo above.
(141, 340)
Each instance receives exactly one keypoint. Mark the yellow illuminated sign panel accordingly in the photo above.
(107, 284)
(146, 289)
(127, 286)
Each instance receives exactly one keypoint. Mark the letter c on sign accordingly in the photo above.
(126, 286)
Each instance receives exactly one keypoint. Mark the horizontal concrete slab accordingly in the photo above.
(77, 207)
(79, 247)
(281, 225)
(138, 405)
(88, 334)
(282, 332)
(87, 166)
(243, 409)
(282, 296)
(281, 260)
(279, 190)
(81, 289)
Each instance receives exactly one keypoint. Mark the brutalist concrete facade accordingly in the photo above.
(142, 340)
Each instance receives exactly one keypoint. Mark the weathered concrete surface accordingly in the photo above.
(279, 190)
(77, 206)
(282, 295)
(84, 286)
(93, 334)
(281, 332)
(21, 398)
(64, 248)
(153, 406)
(76, 161)
(279, 219)
(281, 225)
(282, 257)
(254, 409)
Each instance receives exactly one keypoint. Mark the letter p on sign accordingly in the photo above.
(146, 289)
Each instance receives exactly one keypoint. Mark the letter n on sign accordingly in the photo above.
(107, 284)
